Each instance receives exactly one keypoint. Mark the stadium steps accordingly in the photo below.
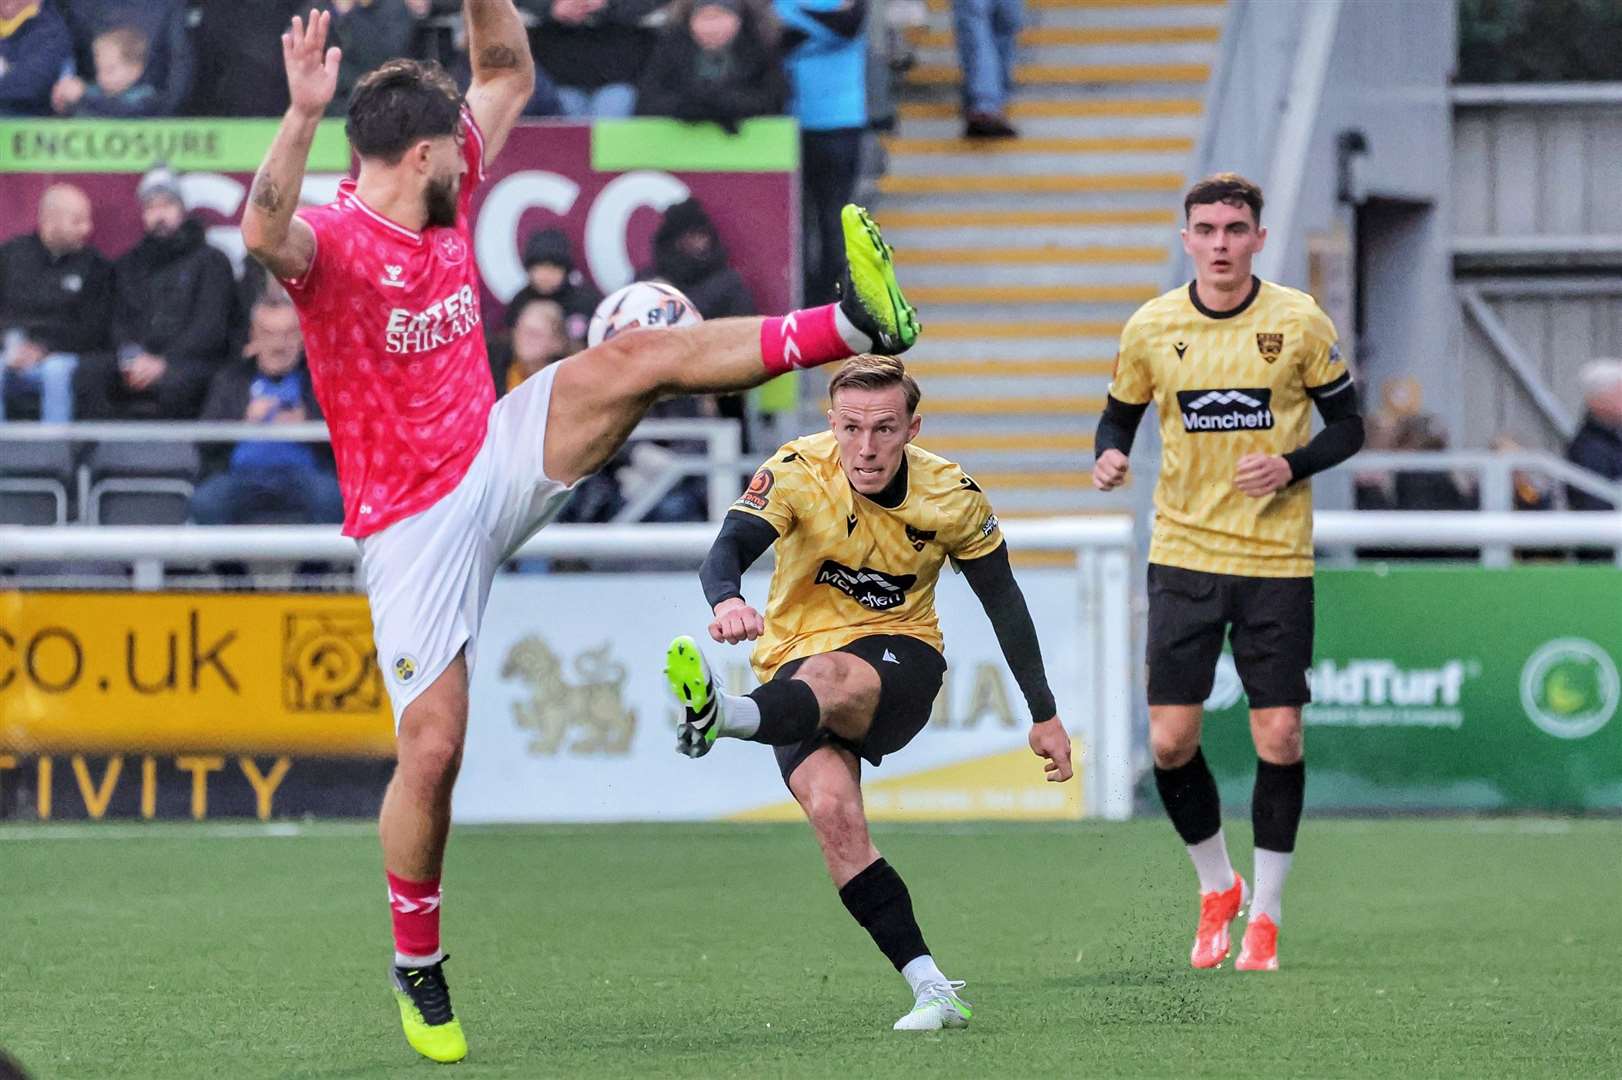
(1026, 255)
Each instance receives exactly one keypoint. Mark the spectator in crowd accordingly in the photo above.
(34, 47)
(987, 33)
(593, 51)
(688, 253)
(55, 303)
(827, 66)
(1431, 489)
(168, 67)
(239, 46)
(171, 315)
(1597, 446)
(716, 60)
(1528, 491)
(370, 32)
(284, 481)
(539, 338)
(1376, 489)
(549, 266)
(119, 89)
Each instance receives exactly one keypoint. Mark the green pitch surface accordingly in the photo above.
(1435, 948)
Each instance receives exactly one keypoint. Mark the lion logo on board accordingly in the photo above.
(1270, 345)
(588, 714)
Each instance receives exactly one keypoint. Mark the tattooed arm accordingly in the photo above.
(283, 243)
(503, 70)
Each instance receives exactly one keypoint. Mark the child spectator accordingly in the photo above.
(716, 60)
(120, 88)
(538, 339)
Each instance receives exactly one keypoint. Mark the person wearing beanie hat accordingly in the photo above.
(716, 60)
(160, 182)
(549, 267)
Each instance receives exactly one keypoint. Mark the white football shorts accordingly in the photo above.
(428, 575)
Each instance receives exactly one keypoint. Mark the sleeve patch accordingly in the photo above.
(760, 488)
(989, 525)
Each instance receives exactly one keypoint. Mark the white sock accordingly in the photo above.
(857, 341)
(1272, 867)
(739, 715)
(921, 972)
(1211, 863)
(404, 961)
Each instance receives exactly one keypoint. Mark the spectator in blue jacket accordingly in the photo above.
(269, 385)
(34, 48)
(826, 54)
(169, 64)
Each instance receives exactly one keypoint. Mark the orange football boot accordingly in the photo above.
(1259, 952)
(1217, 910)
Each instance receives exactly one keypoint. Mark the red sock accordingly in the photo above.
(802, 339)
(415, 907)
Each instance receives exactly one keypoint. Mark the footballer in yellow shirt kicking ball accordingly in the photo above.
(849, 649)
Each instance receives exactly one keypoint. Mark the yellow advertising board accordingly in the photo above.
(166, 672)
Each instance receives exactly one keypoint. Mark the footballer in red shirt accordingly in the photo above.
(441, 481)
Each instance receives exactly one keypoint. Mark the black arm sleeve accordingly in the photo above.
(743, 539)
(992, 580)
(1341, 437)
(1118, 426)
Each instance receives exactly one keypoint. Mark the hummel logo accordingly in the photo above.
(393, 278)
(1225, 397)
(791, 348)
(850, 524)
(889, 657)
(1181, 349)
(407, 906)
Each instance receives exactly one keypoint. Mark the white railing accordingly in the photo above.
(1104, 663)
(722, 462)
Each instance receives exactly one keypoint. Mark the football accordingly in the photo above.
(652, 304)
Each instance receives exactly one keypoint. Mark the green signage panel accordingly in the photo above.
(1451, 688)
(80, 146)
(768, 144)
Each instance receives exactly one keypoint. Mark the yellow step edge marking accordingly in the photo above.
(1038, 108)
(1029, 74)
(1035, 328)
(1125, 144)
(1015, 185)
(957, 444)
(1031, 294)
(957, 219)
(1009, 368)
(1011, 406)
(1029, 256)
(1093, 35)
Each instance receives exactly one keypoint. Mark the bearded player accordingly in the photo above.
(441, 481)
(849, 651)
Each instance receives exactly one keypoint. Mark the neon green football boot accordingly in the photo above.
(870, 296)
(425, 1012)
(694, 688)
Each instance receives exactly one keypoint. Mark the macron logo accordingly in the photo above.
(391, 276)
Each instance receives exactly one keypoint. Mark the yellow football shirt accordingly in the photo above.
(847, 567)
(1227, 384)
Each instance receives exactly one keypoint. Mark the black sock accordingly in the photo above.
(1275, 805)
(789, 712)
(878, 899)
(1189, 793)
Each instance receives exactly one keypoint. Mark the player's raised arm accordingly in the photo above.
(503, 70)
(284, 244)
(992, 579)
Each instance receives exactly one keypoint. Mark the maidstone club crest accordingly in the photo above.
(1271, 346)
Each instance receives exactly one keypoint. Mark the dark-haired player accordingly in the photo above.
(849, 650)
(440, 480)
(1234, 364)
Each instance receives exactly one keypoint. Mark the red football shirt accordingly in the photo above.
(393, 338)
